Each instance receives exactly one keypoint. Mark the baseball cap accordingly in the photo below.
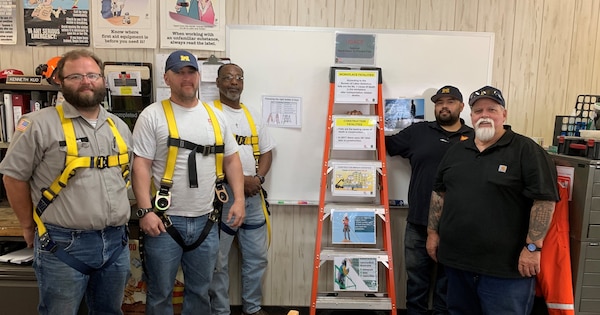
(6, 72)
(447, 90)
(179, 59)
(487, 92)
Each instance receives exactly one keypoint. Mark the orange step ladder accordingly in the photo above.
(363, 192)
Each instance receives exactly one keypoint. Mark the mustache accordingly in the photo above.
(484, 120)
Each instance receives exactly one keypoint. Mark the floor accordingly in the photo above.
(283, 310)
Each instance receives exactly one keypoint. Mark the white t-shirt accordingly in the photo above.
(238, 122)
(150, 137)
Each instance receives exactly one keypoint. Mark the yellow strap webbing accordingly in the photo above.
(73, 162)
(256, 152)
(167, 178)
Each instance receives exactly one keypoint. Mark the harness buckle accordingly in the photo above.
(166, 221)
(102, 162)
(46, 243)
(206, 150)
(214, 215)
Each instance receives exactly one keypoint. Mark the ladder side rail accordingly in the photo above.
(384, 199)
(322, 194)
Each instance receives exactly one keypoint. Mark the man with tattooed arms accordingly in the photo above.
(492, 202)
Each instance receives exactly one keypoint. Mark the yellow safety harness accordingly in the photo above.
(253, 141)
(162, 200)
(73, 162)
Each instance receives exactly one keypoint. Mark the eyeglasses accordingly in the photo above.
(77, 77)
(229, 78)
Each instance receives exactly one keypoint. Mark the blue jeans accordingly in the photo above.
(254, 247)
(162, 259)
(61, 288)
(472, 293)
(420, 269)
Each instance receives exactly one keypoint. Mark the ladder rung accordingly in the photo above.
(329, 253)
(360, 302)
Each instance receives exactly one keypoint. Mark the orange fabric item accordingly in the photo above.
(554, 281)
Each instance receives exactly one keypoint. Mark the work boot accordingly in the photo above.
(259, 312)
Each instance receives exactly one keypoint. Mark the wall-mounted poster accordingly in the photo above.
(400, 113)
(355, 49)
(192, 24)
(56, 22)
(124, 23)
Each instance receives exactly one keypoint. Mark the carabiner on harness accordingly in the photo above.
(221, 192)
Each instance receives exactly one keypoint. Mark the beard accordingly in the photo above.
(231, 95)
(485, 133)
(447, 118)
(78, 99)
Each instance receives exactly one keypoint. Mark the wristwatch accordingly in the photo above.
(532, 247)
(260, 178)
(141, 212)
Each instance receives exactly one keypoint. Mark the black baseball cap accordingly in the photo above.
(447, 90)
(487, 92)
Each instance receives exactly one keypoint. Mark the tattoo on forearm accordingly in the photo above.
(435, 210)
(541, 216)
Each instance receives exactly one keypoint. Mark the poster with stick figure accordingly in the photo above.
(353, 226)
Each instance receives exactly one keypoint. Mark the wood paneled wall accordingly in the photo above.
(546, 53)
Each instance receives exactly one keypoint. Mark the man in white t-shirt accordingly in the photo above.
(178, 226)
(256, 156)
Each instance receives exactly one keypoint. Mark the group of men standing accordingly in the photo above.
(197, 174)
(197, 171)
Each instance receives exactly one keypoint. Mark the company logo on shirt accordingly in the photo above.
(502, 168)
(463, 138)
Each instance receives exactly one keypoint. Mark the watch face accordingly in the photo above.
(532, 247)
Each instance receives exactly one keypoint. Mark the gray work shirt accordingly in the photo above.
(93, 198)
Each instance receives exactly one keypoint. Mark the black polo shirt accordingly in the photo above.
(487, 202)
(424, 145)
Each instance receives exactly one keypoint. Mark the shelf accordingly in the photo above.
(29, 87)
(9, 224)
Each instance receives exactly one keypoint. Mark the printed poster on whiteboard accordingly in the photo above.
(192, 24)
(356, 86)
(124, 23)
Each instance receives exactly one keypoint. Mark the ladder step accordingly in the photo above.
(331, 253)
(354, 302)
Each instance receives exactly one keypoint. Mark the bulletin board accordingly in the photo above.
(295, 61)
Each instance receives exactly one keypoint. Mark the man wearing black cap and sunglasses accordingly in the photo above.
(492, 204)
(424, 144)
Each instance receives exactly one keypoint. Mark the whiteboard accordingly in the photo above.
(295, 61)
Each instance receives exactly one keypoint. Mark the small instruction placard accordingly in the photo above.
(24, 79)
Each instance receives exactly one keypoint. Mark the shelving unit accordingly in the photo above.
(354, 183)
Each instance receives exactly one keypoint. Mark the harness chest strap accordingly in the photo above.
(72, 163)
(253, 139)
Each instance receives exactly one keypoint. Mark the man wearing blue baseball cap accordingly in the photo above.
(182, 149)
(491, 206)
